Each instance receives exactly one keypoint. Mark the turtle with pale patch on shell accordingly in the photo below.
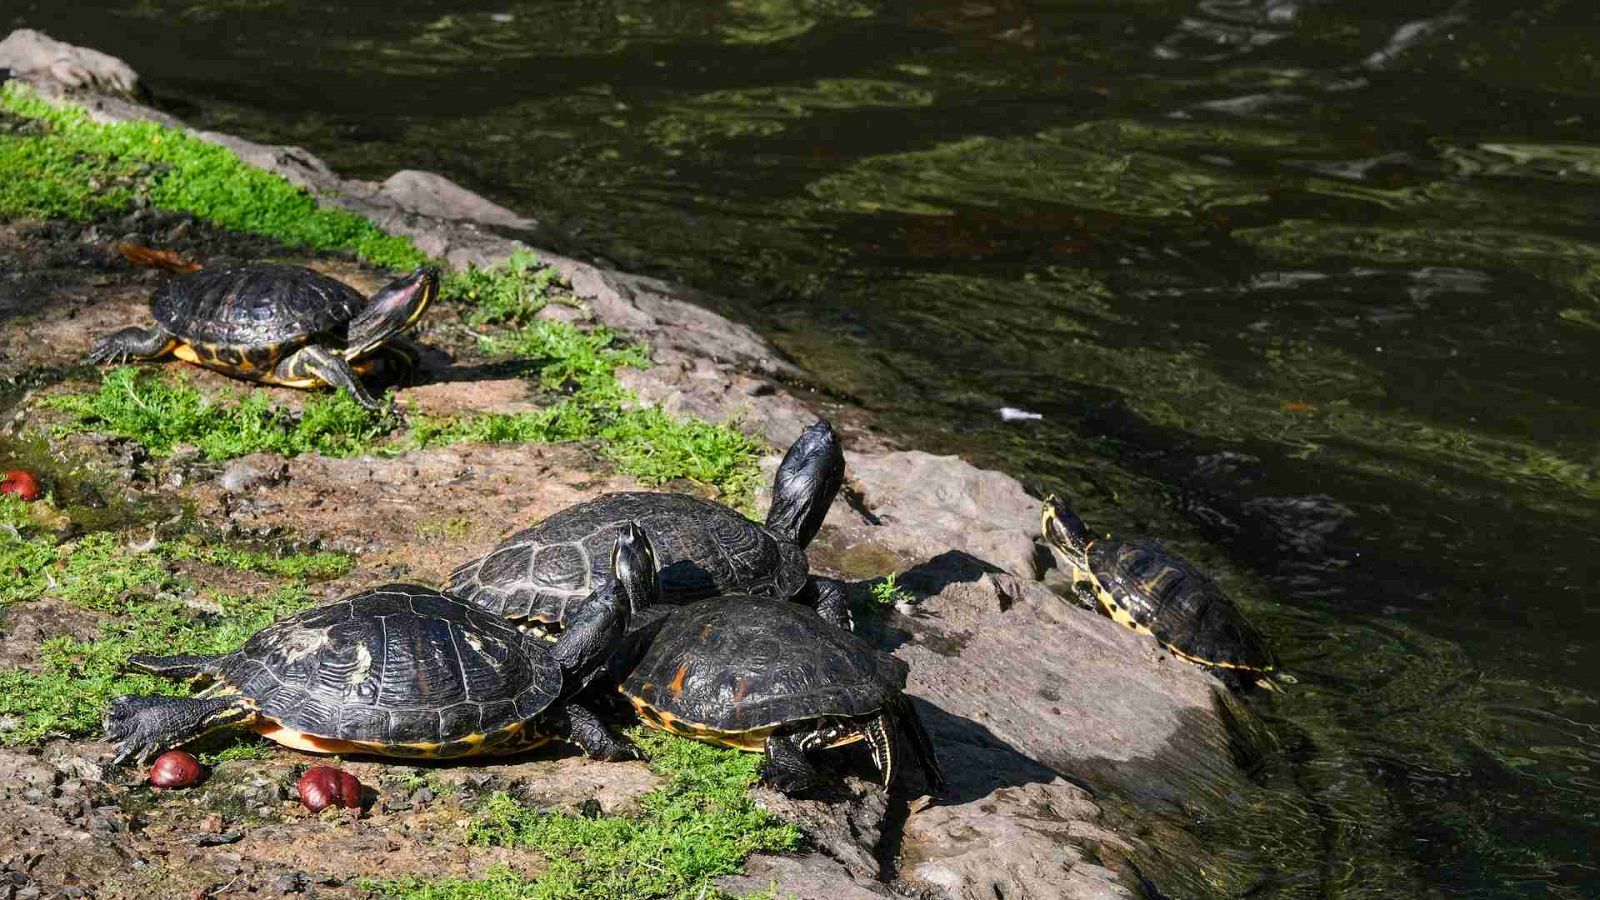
(278, 324)
(774, 678)
(398, 671)
(1144, 586)
(538, 575)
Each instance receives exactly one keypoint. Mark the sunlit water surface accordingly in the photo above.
(1310, 289)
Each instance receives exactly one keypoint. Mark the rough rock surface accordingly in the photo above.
(1056, 728)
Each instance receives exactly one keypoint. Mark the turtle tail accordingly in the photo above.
(921, 744)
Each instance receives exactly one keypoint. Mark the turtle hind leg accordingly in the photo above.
(582, 727)
(321, 364)
(146, 726)
(181, 665)
(787, 770)
(828, 598)
(911, 725)
(142, 344)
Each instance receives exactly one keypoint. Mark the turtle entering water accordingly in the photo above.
(1148, 588)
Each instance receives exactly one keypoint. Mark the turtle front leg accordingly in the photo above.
(326, 366)
(828, 598)
(584, 728)
(147, 726)
(143, 344)
(787, 770)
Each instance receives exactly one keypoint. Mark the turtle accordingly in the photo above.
(1142, 585)
(399, 671)
(277, 324)
(704, 548)
(744, 672)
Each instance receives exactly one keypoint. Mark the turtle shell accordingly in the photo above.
(397, 665)
(254, 305)
(703, 548)
(1149, 588)
(738, 664)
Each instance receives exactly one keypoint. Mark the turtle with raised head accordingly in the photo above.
(539, 574)
(1144, 586)
(399, 671)
(277, 324)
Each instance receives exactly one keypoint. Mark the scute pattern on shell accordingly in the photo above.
(737, 663)
(702, 547)
(396, 664)
(1180, 605)
(254, 305)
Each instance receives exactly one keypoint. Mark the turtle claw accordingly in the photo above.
(127, 723)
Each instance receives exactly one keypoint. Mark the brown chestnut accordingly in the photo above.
(175, 769)
(22, 483)
(323, 786)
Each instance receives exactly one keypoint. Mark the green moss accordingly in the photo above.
(148, 607)
(161, 412)
(58, 163)
(700, 825)
(315, 566)
(78, 678)
(512, 294)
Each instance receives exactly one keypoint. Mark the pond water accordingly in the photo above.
(1308, 288)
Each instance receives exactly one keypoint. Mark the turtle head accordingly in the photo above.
(633, 570)
(807, 481)
(597, 629)
(1063, 529)
(394, 308)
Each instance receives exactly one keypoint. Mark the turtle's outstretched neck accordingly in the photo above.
(807, 481)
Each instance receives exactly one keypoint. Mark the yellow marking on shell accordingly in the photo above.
(186, 353)
(676, 687)
(363, 665)
(1122, 617)
(753, 740)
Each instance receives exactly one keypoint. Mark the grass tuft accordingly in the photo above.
(700, 825)
(888, 592)
(507, 295)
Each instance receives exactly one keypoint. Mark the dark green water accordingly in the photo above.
(1311, 289)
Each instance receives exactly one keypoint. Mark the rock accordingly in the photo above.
(810, 876)
(1024, 840)
(250, 472)
(845, 821)
(34, 55)
(926, 505)
(436, 196)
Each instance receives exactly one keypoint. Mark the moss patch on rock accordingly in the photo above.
(56, 162)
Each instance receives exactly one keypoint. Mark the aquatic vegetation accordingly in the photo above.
(58, 163)
(700, 825)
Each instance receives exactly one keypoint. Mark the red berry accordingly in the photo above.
(323, 786)
(22, 483)
(175, 769)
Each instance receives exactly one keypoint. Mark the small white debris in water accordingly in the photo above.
(1012, 414)
(502, 18)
